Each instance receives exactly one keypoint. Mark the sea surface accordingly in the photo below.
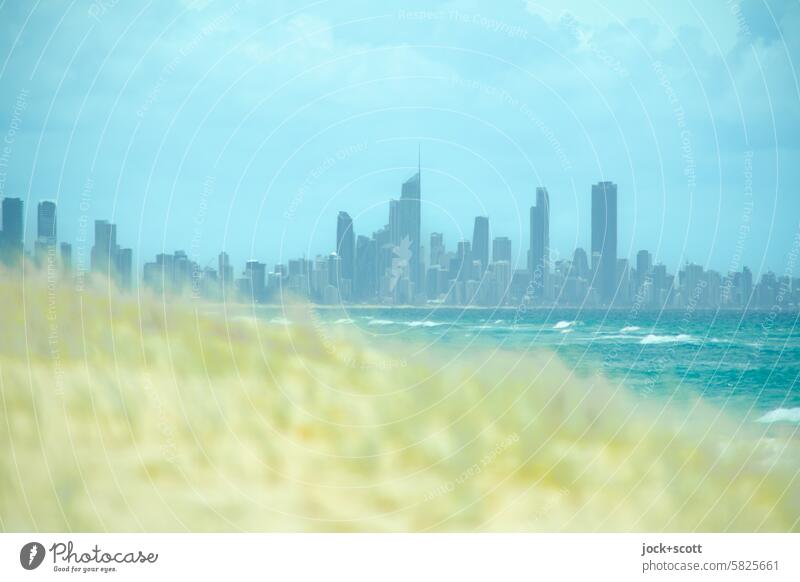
(747, 361)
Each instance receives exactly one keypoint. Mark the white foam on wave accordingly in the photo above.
(781, 415)
(666, 339)
(563, 324)
(344, 320)
(425, 323)
(280, 321)
(629, 328)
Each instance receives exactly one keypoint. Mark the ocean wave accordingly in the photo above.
(666, 339)
(603, 338)
(425, 323)
(344, 320)
(630, 328)
(781, 415)
(280, 321)
(564, 324)
(419, 323)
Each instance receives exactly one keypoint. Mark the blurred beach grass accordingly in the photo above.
(131, 413)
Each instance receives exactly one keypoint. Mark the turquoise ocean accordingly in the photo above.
(744, 361)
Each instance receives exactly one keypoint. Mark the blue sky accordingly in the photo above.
(248, 126)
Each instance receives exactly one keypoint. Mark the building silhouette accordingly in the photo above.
(224, 274)
(437, 248)
(501, 249)
(480, 242)
(253, 285)
(366, 271)
(66, 257)
(108, 259)
(604, 240)
(345, 245)
(45, 243)
(46, 222)
(409, 221)
(105, 247)
(539, 250)
(11, 245)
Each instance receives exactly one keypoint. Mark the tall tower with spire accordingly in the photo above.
(410, 219)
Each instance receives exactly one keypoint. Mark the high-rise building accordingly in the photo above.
(166, 269)
(501, 250)
(604, 239)
(501, 279)
(623, 283)
(644, 266)
(437, 248)
(46, 222)
(182, 270)
(255, 287)
(124, 268)
(409, 223)
(393, 228)
(580, 263)
(225, 272)
(539, 253)
(463, 262)
(693, 285)
(746, 287)
(384, 254)
(105, 247)
(366, 272)
(480, 243)
(66, 257)
(346, 244)
(334, 270)
(11, 240)
(44, 247)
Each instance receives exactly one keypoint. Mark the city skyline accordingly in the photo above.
(389, 266)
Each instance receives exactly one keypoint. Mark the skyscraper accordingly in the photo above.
(346, 245)
(44, 247)
(409, 221)
(463, 262)
(501, 249)
(394, 222)
(225, 272)
(480, 243)
(124, 268)
(644, 266)
(66, 257)
(604, 239)
(255, 287)
(437, 248)
(105, 248)
(46, 222)
(366, 271)
(580, 263)
(539, 253)
(11, 241)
